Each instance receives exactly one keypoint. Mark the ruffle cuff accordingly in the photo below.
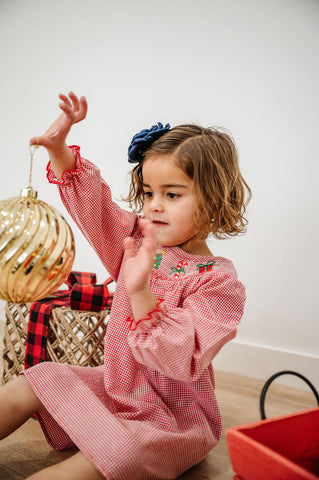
(151, 320)
(67, 175)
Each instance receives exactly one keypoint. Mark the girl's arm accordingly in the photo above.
(84, 193)
(74, 110)
(180, 342)
(88, 199)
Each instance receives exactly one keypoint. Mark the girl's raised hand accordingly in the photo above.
(74, 110)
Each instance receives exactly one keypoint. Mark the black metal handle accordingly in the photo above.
(272, 378)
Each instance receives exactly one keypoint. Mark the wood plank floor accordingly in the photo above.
(26, 451)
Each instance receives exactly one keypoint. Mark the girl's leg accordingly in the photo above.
(17, 404)
(77, 467)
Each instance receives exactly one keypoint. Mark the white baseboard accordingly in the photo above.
(257, 361)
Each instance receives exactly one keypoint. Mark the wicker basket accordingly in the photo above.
(75, 337)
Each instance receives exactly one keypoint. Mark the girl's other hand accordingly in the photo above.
(74, 110)
(139, 264)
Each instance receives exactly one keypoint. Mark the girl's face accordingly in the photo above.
(169, 201)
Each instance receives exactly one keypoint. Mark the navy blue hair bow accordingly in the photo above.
(144, 139)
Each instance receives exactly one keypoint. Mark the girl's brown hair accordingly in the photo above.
(209, 157)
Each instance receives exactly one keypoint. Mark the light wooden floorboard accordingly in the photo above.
(26, 451)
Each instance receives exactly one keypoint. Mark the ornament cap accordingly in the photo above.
(28, 192)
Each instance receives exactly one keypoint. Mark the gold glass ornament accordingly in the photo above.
(36, 247)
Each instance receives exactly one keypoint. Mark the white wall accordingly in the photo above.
(250, 66)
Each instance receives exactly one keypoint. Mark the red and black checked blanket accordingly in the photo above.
(83, 294)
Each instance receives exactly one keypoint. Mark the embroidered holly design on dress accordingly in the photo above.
(205, 267)
(157, 259)
(176, 271)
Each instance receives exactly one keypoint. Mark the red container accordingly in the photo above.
(282, 448)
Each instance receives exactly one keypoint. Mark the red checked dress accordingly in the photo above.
(150, 411)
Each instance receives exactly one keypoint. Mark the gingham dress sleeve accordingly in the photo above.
(180, 342)
(88, 199)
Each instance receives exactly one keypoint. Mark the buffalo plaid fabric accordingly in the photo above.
(82, 295)
(85, 278)
(89, 297)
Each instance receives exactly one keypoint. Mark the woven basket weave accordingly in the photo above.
(75, 337)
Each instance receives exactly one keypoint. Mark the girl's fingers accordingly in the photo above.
(43, 141)
(83, 105)
(82, 111)
(145, 225)
(147, 228)
(75, 101)
(74, 107)
(36, 141)
(65, 99)
(77, 110)
(67, 109)
(70, 104)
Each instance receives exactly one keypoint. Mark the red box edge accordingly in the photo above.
(233, 434)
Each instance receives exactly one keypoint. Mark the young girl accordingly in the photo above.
(150, 411)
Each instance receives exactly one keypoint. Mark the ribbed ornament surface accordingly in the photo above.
(36, 249)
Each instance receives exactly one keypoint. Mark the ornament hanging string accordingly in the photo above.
(32, 149)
